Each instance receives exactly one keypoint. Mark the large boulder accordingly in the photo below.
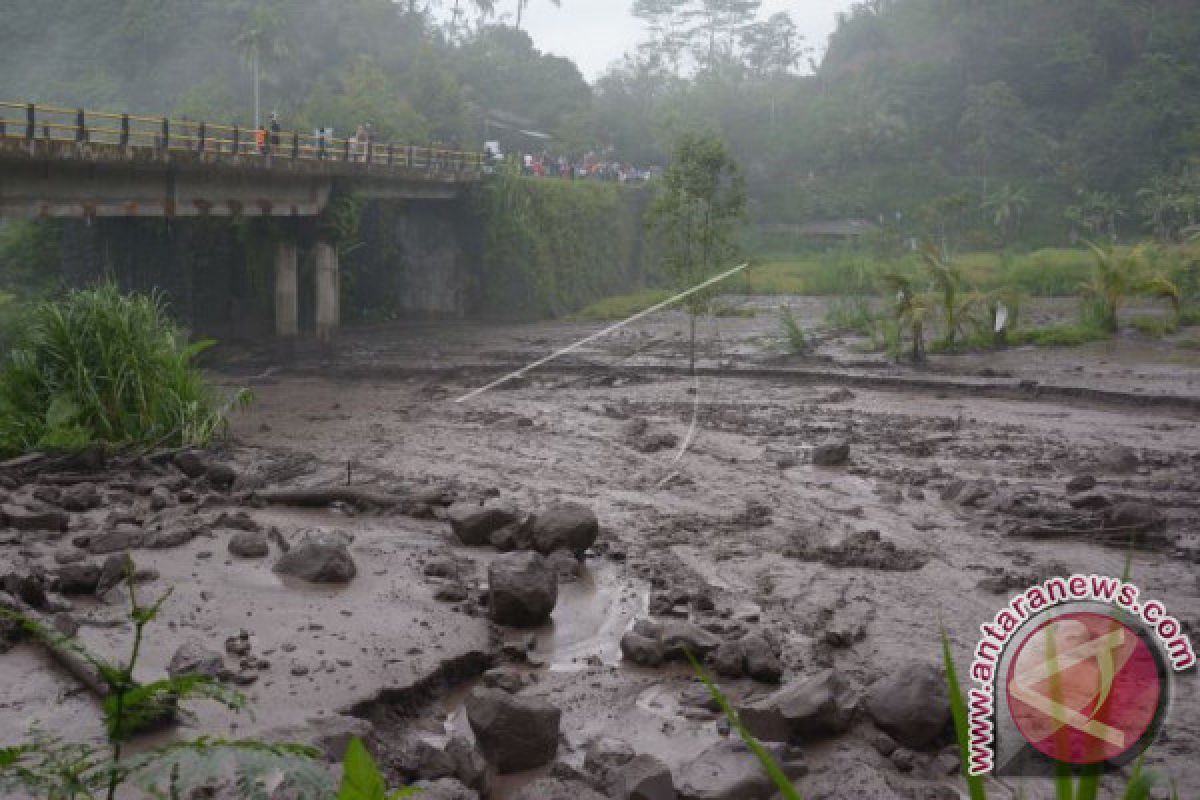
(569, 526)
(811, 708)
(645, 651)
(911, 704)
(318, 560)
(729, 771)
(249, 544)
(76, 579)
(24, 519)
(761, 661)
(514, 733)
(473, 523)
(522, 590)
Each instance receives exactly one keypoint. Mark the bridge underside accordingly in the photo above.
(67, 179)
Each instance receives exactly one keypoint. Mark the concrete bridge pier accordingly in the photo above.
(287, 296)
(328, 311)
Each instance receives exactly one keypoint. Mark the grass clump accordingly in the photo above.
(793, 334)
(623, 305)
(1065, 335)
(100, 366)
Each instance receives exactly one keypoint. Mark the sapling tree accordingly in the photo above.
(698, 213)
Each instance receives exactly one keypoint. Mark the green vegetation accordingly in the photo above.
(49, 767)
(552, 247)
(697, 213)
(797, 342)
(362, 780)
(623, 305)
(102, 366)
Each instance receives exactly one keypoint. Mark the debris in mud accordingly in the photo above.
(515, 733)
(863, 549)
(641, 438)
(522, 590)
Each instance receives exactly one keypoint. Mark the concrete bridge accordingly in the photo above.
(70, 163)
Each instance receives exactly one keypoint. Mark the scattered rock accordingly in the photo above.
(861, 549)
(160, 498)
(24, 519)
(249, 544)
(514, 733)
(831, 454)
(1118, 459)
(318, 561)
(605, 753)
(80, 497)
(565, 565)
(163, 540)
(1091, 501)
(1081, 483)
(729, 660)
(124, 537)
(193, 658)
(762, 662)
(522, 590)
(112, 572)
(555, 789)
(815, 707)
(678, 636)
(910, 703)
(473, 523)
(506, 678)
(569, 526)
(729, 771)
(445, 789)
(641, 778)
(450, 592)
(642, 650)
(1135, 517)
(221, 476)
(77, 579)
(191, 463)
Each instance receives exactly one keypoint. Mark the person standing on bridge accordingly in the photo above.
(260, 139)
(275, 130)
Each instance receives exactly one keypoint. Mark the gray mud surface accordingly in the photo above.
(710, 509)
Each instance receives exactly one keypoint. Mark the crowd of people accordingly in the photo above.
(589, 167)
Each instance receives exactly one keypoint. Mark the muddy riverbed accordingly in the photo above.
(711, 511)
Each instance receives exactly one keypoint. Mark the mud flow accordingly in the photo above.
(497, 595)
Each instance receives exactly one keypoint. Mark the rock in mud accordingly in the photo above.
(249, 544)
(565, 565)
(77, 579)
(506, 679)
(555, 789)
(1091, 501)
(642, 650)
(81, 497)
(762, 661)
(193, 658)
(160, 498)
(812, 708)
(678, 636)
(222, 476)
(910, 703)
(1081, 483)
(191, 463)
(320, 560)
(112, 572)
(164, 540)
(473, 524)
(24, 519)
(1135, 517)
(422, 756)
(445, 789)
(729, 771)
(862, 549)
(123, 537)
(514, 733)
(831, 454)
(642, 778)
(569, 526)
(729, 660)
(522, 590)
(1118, 459)
(605, 753)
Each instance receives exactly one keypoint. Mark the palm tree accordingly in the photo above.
(521, 4)
(947, 283)
(1118, 274)
(1006, 207)
(261, 37)
(910, 310)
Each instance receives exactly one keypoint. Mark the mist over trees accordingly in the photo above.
(1000, 121)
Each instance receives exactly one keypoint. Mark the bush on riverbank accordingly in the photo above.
(553, 246)
(102, 366)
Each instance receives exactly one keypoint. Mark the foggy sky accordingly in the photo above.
(594, 33)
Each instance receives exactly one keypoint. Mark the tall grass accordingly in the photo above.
(100, 366)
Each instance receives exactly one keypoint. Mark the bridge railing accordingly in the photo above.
(162, 136)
